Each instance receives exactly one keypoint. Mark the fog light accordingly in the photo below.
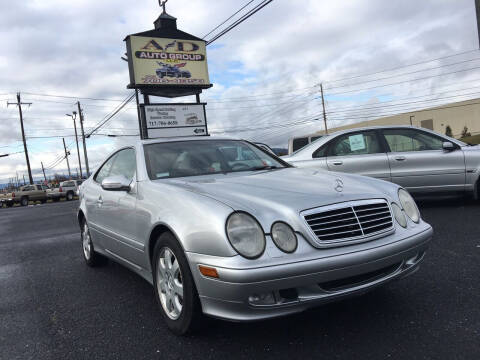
(262, 299)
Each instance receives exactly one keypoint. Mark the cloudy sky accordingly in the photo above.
(265, 72)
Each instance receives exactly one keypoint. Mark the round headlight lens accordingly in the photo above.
(284, 237)
(408, 205)
(245, 235)
(399, 215)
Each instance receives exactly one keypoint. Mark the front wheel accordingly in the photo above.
(174, 286)
(91, 257)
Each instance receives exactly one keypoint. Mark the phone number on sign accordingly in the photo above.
(159, 123)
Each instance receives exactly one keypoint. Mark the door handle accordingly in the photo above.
(400, 158)
(99, 201)
(336, 162)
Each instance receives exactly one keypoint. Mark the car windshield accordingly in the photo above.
(204, 157)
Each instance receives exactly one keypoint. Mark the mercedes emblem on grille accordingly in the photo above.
(338, 185)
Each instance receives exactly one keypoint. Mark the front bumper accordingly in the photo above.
(297, 286)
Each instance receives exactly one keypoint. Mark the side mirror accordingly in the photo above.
(116, 183)
(448, 146)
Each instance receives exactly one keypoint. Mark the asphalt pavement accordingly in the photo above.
(52, 306)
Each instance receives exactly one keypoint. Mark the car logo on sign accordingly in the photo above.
(338, 185)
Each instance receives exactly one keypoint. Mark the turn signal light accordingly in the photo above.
(208, 271)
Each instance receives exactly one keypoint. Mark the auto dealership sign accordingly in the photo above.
(161, 62)
(168, 62)
(172, 120)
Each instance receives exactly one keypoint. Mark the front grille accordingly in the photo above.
(357, 219)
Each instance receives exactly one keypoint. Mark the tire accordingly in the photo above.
(92, 258)
(174, 286)
(9, 204)
(24, 201)
(69, 196)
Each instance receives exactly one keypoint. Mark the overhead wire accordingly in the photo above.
(239, 21)
(403, 74)
(231, 16)
(403, 66)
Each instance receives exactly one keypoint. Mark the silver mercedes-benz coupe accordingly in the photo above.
(224, 228)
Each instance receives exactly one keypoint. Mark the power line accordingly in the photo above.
(240, 20)
(72, 97)
(403, 66)
(401, 104)
(235, 13)
(403, 82)
(317, 116)
(404, 74)
(111, 115)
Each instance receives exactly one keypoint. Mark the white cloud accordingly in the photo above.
(278, 55)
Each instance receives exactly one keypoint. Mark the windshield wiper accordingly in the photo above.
(265, 167)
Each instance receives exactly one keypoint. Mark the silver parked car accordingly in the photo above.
(224, 228)
(417, 159)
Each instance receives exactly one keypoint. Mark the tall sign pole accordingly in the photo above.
(80, 113)
(19, 104)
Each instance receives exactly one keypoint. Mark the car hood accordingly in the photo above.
(291, 188)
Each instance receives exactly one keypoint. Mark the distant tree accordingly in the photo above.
(448, 131)
(465, 132)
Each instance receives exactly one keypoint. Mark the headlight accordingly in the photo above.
(399, 215)
(284, 237)
(246, 235)
(408, 205)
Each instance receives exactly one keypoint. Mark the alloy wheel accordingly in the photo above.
(170, 283)
(86, 242)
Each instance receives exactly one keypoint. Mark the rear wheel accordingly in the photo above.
(91, 257)
(174, 286)
(69, 196)
(24, 201)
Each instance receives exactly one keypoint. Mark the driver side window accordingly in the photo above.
(355, 144)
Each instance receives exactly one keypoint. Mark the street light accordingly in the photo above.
(74, 116)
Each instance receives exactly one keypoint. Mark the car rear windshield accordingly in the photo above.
(203, 157)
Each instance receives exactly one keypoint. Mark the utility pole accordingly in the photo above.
(19, 104)
(80, 113)
(324, 114)
(74, 116)
(66, 157)
(43, 170)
